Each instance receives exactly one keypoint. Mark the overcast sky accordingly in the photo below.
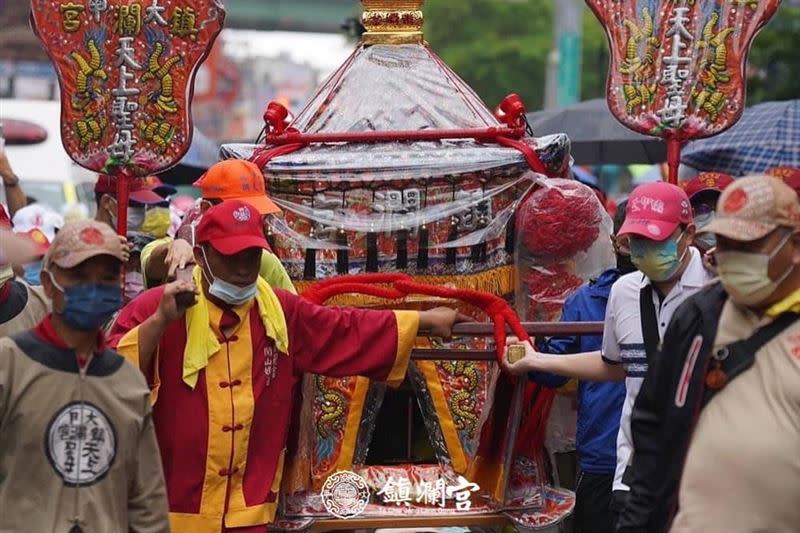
(322, 51)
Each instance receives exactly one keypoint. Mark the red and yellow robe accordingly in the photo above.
(223, 443)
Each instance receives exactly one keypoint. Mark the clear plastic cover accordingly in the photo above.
(401, 160)
(562, 236)
(453, 225)
(391, 87)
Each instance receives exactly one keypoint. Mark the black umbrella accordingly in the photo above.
(597, 137)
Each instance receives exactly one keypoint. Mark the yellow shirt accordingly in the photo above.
(271, 271)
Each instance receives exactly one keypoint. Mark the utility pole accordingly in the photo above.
(563, 85)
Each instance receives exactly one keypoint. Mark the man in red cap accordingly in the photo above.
(232, 179)
(105, 193)
(716, 422)
(703, 191)
(223, 370)
(659, 225)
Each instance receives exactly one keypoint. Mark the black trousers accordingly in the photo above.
(593, 503)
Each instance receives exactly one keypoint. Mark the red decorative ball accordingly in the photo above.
(559, 220)
(547, 288)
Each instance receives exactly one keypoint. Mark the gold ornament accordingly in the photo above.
(392, 21)
(515, 353)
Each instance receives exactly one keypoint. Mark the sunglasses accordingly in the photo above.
(702, 209)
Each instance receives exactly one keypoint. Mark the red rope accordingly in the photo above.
(402, 285)
(326, 293)
(530, 154)
(264, 155)
(491, 134)
(282, 140)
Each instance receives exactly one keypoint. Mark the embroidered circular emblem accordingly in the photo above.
(91, 236)
(736, 201)
(654, 230)
(345, 494)
(781, 172)
(242, 214)
(81, 444)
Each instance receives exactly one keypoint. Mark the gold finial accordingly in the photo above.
(392, 21)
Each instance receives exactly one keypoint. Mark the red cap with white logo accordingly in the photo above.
(655, 210)
(231, 227)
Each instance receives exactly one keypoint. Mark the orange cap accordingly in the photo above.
(235, 179)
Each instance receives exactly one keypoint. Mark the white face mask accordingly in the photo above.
(135, 217)
(228, 292)
(745, 275)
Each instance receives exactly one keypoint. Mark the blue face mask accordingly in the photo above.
(228, 292)
(32, 273)
(88, 306)
(658, 261)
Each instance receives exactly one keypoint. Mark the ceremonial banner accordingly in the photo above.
(126, 70)
(678, 66)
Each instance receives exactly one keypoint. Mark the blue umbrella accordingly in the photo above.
(768, 135)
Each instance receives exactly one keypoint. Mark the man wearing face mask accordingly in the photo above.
(223, 370)
(232, 179)
(140, 196)
(703, 191)
(715, 426)
(77, 440)
(599, 403)
(21, 305)
(659, 225)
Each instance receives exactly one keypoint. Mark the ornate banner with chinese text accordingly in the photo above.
(126, 70)
(678, 66)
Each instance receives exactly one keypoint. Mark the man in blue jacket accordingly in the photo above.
(599, 403)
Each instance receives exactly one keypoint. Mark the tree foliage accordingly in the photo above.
(502, 46)
(497, 46)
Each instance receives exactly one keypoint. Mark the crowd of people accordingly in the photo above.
(706, 290)
(147, 382)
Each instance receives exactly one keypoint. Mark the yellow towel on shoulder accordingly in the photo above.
(202, 344)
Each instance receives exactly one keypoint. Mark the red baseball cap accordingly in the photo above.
(139, 191)
(237, 179)
(705, 182)
(655, 210)
(231, 227)
(789, 175)
(155, 184)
